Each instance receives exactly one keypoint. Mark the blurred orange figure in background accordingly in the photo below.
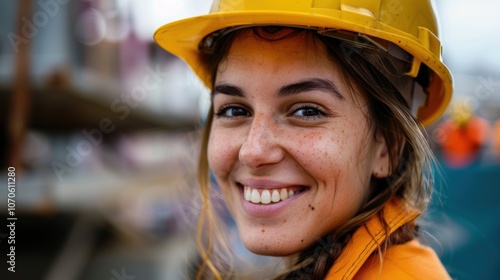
(462, 135)
(496, 138)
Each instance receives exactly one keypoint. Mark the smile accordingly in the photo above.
(268, 196)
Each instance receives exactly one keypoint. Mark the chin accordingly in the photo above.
(277, 247)
(274, 251)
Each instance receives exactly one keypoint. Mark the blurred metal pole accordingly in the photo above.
(20, 99)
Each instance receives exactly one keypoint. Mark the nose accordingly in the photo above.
(261, 146)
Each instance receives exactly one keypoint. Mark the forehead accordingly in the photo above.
(287, 54)
(284, 45)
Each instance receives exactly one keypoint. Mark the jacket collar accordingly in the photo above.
(367, 238)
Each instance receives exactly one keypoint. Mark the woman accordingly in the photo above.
(314, 135)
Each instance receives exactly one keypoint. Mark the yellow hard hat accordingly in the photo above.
(411, 25)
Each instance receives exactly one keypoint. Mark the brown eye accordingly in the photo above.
(232, 112)
(308, 112)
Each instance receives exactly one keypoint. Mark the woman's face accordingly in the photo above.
(290, 144)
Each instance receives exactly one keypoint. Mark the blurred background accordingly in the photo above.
(103, 127)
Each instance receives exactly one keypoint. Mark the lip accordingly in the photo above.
(267, 210)
(267, 184)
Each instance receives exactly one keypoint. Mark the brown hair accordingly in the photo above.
(410, 157)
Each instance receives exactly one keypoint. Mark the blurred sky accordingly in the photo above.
(470, 32)
(155, 13)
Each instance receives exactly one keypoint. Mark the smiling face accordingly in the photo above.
(290, 143)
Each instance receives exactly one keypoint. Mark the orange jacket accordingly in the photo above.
(411, 260)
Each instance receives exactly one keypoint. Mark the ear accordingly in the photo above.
(381, 158)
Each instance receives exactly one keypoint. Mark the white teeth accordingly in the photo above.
(255, 196)
(275, 196)
(266, 196)
(283, 194)
(248, 193)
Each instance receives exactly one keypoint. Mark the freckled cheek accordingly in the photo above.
(322, 154)
(222, 154)
(328, 160)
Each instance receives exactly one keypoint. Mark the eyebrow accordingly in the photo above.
(310, 85)
(287, 90)
(228, 90)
